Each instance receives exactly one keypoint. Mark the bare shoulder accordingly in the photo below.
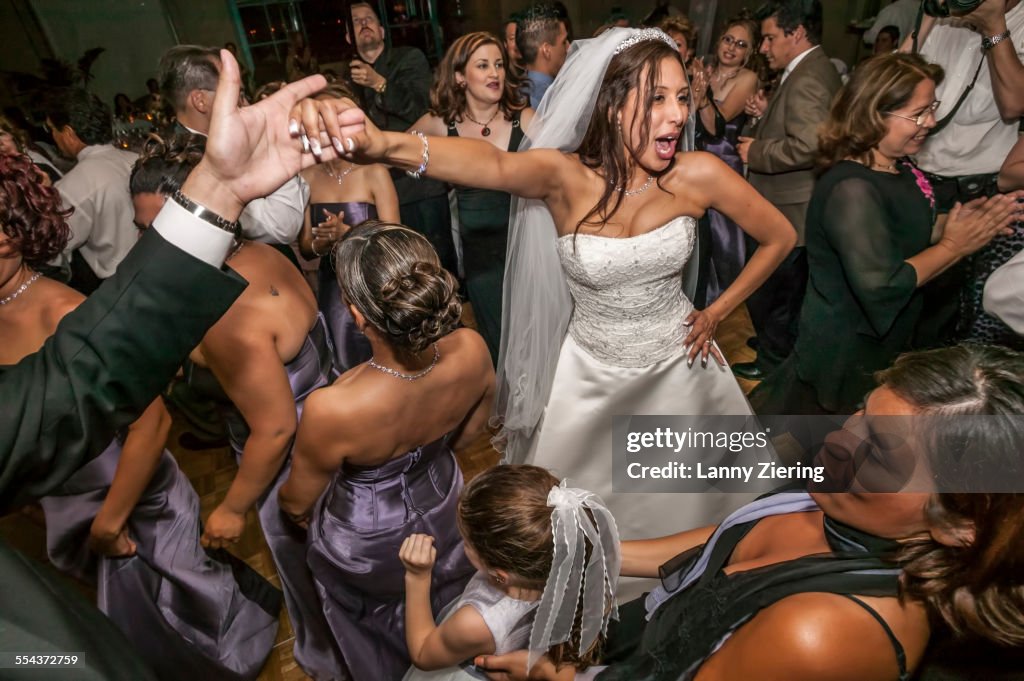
(60, 299)
(525, 118)
(699, 169)
(470, 346)
(430, 124)
(796, 638)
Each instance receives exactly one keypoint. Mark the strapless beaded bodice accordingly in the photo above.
(628, 298)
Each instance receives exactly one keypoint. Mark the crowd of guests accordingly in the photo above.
(604, 204)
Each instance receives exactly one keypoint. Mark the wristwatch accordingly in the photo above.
(991, 41)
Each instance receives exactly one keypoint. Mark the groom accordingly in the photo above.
(780, 157)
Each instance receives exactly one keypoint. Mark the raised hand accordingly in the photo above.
(418, 555)
(250, 151)
(340, 124)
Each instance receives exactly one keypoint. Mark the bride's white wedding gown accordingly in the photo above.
(624, 355)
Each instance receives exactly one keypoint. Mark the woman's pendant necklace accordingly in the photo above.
(338, 177)
(21, 289)
(486, 130)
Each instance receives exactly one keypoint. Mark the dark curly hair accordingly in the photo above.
(32, 215)
(394, 278)
(163, 166)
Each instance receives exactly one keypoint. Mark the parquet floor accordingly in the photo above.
(211, 472)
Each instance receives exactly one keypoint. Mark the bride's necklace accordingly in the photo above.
(338, 177)
(486, 130)
(408, 377)
(634, 192)
(21, 289)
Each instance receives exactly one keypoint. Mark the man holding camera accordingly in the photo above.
(981, 53)
(980, 45)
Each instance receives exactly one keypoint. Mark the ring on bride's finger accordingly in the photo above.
(707, 342)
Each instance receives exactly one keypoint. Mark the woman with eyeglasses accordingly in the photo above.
(720, 94)
(870, 245)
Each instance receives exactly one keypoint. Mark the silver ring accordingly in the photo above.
(707, 342)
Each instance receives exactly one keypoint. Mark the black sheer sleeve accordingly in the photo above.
(857, 227)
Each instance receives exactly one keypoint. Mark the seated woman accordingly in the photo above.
(376, 447)
(342, 194)
(128, 521)
(764, 594)
(475, 95)
(267, 353)
(869, 236)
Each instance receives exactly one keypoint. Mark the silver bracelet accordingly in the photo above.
(415, 174)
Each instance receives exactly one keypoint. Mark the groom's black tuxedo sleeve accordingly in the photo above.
(107, 361)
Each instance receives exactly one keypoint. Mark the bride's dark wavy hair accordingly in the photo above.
(635, 68)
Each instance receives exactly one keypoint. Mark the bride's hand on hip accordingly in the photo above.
(700, 341)
(340, 124)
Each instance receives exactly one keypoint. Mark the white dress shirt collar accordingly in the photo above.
(796, 60)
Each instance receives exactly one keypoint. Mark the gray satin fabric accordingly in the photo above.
(354, 536)
(186, 613)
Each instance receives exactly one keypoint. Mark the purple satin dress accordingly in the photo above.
(311, 369)
(354, 536)
(188, 614)
(350, 345)
(728, 246)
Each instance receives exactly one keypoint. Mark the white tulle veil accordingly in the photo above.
(536, 304)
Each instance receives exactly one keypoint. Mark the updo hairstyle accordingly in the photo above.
(392, 275)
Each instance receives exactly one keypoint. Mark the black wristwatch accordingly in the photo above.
(991, 41)
(207, 215)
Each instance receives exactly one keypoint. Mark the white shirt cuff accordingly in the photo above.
(193, 235)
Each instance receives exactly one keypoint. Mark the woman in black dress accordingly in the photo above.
(870, 248)
(476, 95)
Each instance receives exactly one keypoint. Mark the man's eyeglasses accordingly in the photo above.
(364, 21)
(921, 118)
(730, 42)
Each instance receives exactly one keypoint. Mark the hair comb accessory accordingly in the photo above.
(644, 35)
(573, 573)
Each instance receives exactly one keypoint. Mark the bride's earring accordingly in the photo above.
(498, 579)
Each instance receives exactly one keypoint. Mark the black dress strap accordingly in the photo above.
(901, 656)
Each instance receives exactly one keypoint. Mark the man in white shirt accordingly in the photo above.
(964, 157)
(102, 231)
(1004, 293)
(188, 80)
(981, 54)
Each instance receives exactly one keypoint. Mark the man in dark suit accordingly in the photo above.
(780, 154)
(112, 355)
(393, 84)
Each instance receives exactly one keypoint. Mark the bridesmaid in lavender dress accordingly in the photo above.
(720, 94)
(373, 458)
(128, 521)
(342, 193)
(259, 362)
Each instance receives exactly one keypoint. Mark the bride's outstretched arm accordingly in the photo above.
(716, 185)
(535, 174)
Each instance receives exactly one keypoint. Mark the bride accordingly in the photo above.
(596, 323)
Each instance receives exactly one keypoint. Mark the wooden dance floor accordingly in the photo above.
(211, 472)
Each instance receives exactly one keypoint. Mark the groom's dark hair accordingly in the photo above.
(791, 14)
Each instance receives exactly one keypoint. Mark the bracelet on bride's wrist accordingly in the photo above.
(416, 174)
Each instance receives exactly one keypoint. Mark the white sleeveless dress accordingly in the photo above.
(509, 620)
(624, 355)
